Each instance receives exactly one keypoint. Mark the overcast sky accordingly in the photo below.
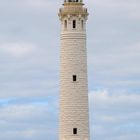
(29, 69)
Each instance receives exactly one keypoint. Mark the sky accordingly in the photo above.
(29, 69)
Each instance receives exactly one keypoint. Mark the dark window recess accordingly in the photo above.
(74, 23)
(65, 24)
(82, 24)
(74, 78)
(74, 131)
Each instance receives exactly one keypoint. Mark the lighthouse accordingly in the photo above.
(74, 111)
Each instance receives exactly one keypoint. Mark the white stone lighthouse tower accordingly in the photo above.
(74, 114)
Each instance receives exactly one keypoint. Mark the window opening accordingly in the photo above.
(74, 131)
(82, 24)
(74, 24)
(65, 24)
(74, 78)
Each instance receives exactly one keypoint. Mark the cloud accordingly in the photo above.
(29, 121)
(17, 49)
(43, 4)
(115, 115)
(91, 114)
(115, 67)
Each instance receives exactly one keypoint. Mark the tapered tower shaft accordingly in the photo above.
(74, 114)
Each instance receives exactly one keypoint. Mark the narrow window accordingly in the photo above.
(82, 24)
(65, 24)
(74, 78)
(74, 24)
(74, 131)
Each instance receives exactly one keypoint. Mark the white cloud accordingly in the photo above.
(28, 121)
(115, 66)
(116, 114)
(17, 49)
(116, 99)
(91, 114)
(39, 3)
